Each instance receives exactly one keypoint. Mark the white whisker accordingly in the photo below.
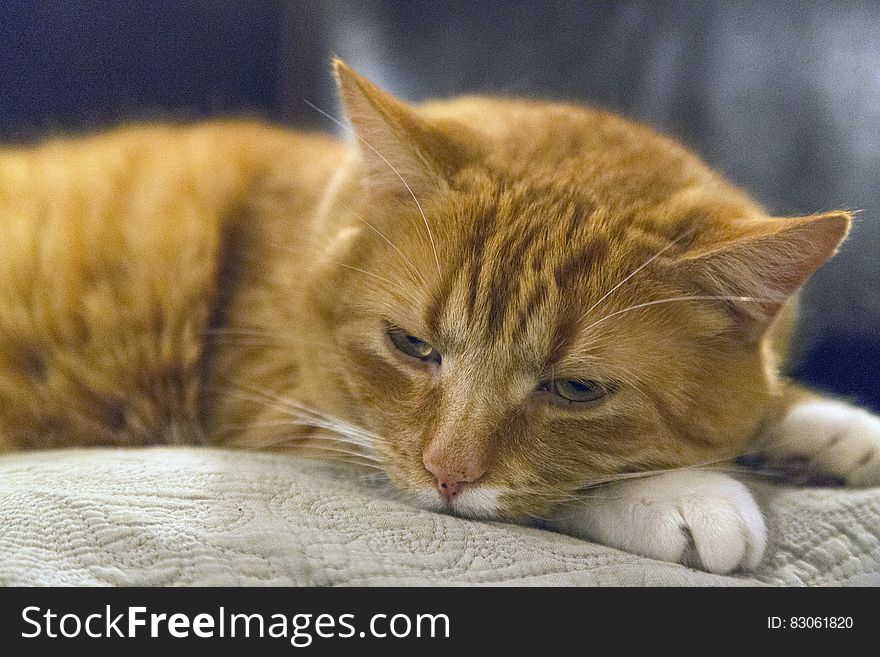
(682, 298)
(394, 285)
(396, 172)
(294, 413)
(639, 268)
(337, 459)
(339, 440)
(390, 243)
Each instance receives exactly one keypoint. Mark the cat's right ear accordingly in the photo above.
(405, 157)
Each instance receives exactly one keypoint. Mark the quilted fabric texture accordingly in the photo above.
(177, 516)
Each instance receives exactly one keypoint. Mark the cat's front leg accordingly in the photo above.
(703, 519)
(819, 440)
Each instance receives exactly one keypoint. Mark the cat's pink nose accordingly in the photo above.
(452, 477)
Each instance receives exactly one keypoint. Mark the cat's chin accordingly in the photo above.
(478, 502)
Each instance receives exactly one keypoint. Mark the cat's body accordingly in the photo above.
(497, 303)
(122, 257)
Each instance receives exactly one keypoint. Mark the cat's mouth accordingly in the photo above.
(475, 501)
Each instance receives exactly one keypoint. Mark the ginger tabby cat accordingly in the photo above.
(512, 309)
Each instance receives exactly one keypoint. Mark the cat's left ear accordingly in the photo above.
(756, 265)
(405, 156)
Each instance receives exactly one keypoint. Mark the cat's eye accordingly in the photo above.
(413, 346)
(575, 391)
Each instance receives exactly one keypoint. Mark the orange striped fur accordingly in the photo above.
(232, 282)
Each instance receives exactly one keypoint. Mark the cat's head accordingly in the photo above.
(536, 297)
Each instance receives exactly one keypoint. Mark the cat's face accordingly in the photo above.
(520, 321)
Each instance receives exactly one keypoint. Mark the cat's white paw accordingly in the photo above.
(702, 519)
(826, 441)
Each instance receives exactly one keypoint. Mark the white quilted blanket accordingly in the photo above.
(175, 516)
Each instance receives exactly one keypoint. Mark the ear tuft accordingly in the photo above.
(759, 264)
(398, 147)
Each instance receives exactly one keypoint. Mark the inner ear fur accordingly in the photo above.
(404, 154)
(755, 265)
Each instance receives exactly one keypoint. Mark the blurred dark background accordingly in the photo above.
(782, 97)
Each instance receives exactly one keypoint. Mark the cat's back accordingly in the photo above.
(110, 251)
